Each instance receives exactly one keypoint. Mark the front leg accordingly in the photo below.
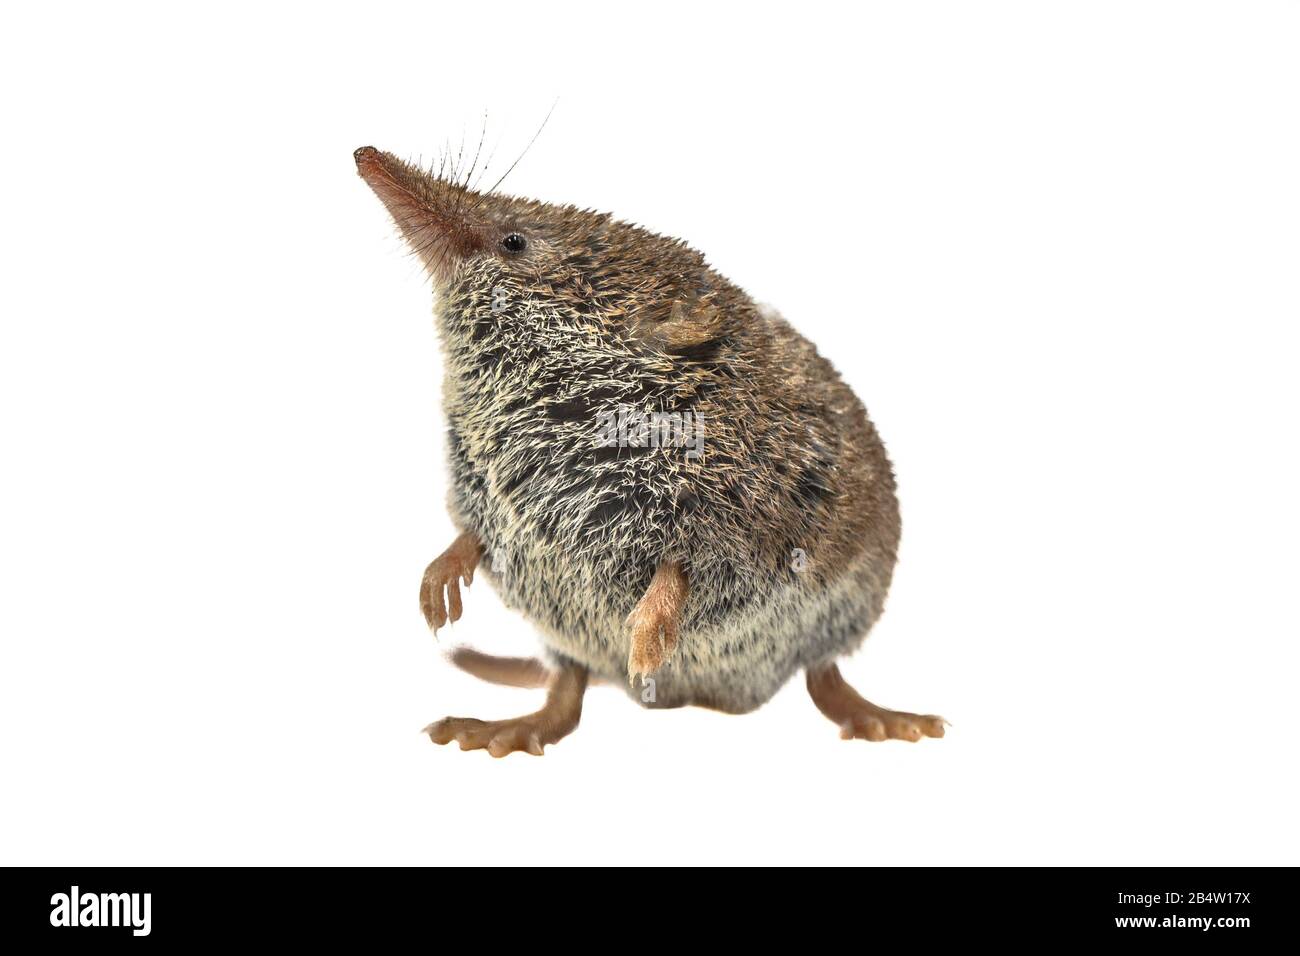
(652, 625)
(454, 565)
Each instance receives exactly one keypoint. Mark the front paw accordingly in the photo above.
(446, 573)
(653, 638)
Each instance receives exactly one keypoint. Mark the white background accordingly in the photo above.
(1053, 247)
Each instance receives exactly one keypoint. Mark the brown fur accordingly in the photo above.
(550, 317)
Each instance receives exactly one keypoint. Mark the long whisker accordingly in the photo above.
(492, 189)
(479, 149)
(491, 156)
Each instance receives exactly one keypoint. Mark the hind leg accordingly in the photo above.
(530, 733)
(858, 717)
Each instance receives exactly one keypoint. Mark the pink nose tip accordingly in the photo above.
(364, 153)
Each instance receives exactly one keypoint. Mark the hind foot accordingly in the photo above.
(858, 717)
(528, 734)
(497, 737)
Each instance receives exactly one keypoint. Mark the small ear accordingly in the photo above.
(691, 324)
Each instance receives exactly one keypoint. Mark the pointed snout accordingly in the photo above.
(386, 175)
(432, 213)
(396, 182)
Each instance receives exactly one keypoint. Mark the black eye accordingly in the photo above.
(514, 243)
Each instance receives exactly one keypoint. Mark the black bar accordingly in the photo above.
(1179, 906)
